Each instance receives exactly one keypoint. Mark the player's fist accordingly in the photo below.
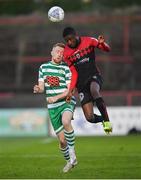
(36, 89)
(101, 39)
(69, 95)
(68, 98)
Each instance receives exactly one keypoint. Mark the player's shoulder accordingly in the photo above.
(44, 65)
(67, 53)
(91, 41)
(64, 64)
(66, 49)
(88, 38)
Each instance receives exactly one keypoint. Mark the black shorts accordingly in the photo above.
(85, 94)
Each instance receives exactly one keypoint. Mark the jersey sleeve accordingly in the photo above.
(40, 75)
(74, 74)
(94, 41)
(66, 60)
(68, 75)
(103, 46)
(73, 78)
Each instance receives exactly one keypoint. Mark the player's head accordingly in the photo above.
(57, 52)
(69, 35)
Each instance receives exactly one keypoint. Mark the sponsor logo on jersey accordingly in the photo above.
(78, 55)
(60, 71)
(83, 61)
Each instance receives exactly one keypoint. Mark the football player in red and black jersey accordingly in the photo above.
(79, 54)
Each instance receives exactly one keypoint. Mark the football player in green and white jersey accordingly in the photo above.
(54, 79)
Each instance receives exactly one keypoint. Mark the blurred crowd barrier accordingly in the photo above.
(35, 122)
(23, 122)
(125, 120)
(112, 98)
(26, 42)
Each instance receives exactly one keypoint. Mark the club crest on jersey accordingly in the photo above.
(78, 55)
(60, 71)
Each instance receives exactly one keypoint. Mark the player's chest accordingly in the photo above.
(53, 77)
(81, 55)
(54, 71)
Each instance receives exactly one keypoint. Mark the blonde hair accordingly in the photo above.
(62, 45)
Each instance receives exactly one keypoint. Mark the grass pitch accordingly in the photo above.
(107, 157)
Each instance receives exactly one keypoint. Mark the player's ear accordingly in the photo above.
(51, 53)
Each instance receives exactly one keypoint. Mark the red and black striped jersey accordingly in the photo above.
(83, 59)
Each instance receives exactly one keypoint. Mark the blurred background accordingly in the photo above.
(26, 39)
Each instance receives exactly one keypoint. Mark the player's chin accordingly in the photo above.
(72, 46)
(58, 60)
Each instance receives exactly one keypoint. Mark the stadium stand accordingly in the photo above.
(25, 43)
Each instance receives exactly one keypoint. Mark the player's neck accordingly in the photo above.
(56, 63)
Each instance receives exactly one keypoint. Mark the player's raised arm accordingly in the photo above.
(102, 44)
(73, 78)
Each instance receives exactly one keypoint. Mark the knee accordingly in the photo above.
(66, 123)
(95, 93)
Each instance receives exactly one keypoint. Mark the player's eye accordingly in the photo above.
(60, 52)
(68, 39)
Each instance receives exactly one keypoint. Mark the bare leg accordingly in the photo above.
(89, 113)
(66, 120)
(95, 92)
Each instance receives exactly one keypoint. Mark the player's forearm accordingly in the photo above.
(54, 99)
(104, 46)
(63, 95)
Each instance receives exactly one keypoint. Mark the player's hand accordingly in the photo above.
(36, 89)
(101, 39)
(69, 96)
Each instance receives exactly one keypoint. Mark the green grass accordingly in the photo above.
(99, 158)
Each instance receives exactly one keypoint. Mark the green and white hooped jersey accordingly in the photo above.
(56, 78)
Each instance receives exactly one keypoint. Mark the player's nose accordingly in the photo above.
(69, 42)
